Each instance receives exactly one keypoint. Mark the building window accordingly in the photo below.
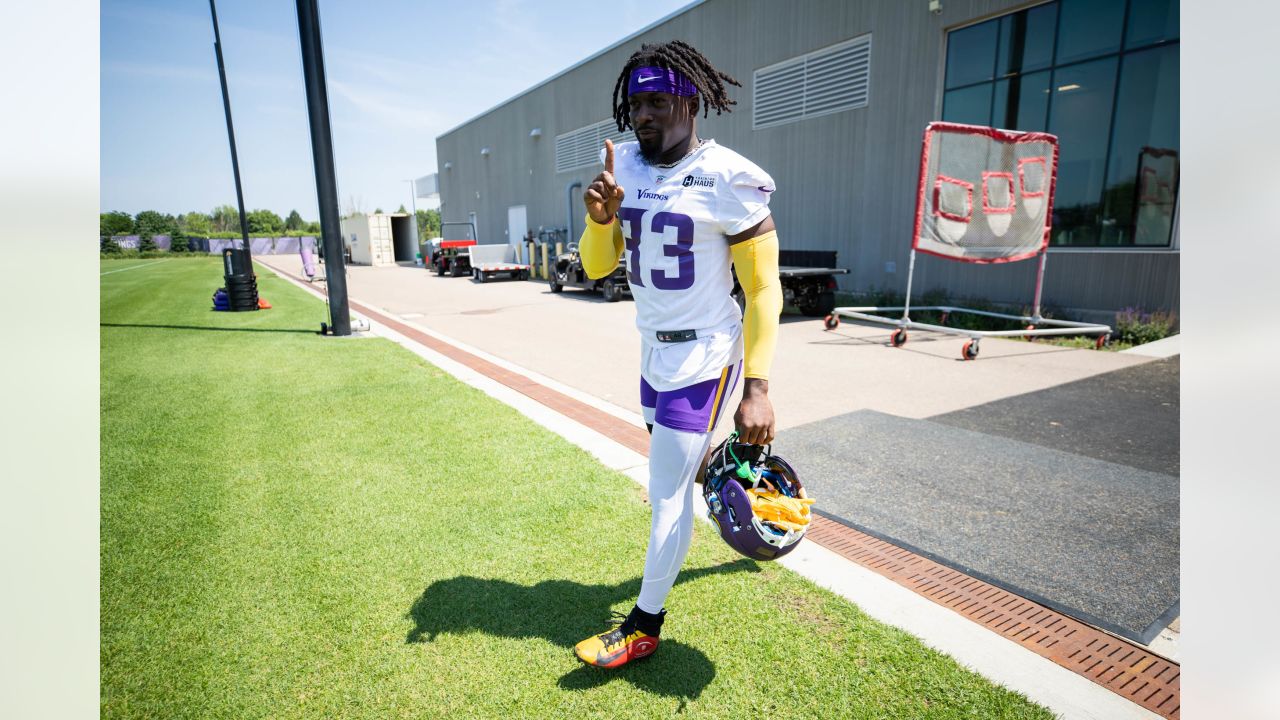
(830, 80)
(1102, 75)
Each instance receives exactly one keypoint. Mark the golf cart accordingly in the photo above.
(453, 256)
(567, 272)
(808, 281)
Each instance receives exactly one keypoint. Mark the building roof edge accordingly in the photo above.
(670, 16)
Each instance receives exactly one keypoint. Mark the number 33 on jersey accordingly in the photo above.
(675, 221)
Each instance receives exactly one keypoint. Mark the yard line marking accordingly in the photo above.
(135, 267)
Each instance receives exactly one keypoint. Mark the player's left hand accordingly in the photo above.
(754, 418)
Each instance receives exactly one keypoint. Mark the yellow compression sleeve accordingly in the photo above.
(600, 247)
(756, 261)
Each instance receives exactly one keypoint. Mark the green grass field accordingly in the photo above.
(297, 526)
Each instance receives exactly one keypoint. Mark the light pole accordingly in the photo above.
(413, 202)
(231, 137)
(322, 158)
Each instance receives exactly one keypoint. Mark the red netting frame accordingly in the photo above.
(996, 134)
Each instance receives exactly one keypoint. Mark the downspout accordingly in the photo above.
(568, 210)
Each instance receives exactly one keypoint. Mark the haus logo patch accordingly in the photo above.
(699, 181)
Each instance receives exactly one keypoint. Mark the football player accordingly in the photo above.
(679, 210)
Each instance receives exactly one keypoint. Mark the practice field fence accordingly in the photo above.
(214, 246)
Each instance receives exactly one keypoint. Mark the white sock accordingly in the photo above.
(674, 460)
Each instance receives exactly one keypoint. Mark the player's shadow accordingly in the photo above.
(563, 612)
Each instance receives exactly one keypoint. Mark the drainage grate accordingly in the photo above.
(1120, 666)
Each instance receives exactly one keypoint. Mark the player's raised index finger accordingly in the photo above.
(608, 156)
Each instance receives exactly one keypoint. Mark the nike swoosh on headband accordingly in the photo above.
(647, 79)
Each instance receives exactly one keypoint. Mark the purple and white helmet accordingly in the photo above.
(733, 468)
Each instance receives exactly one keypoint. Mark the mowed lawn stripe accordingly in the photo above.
(299, 526)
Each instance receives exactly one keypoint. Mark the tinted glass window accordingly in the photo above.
(1026, 40)
(1142, 176)
(1088, 28)
(1060, 67)
(1021, 102)
(1151, 21)
(971, 106)
(1080, 116)
(971, 54)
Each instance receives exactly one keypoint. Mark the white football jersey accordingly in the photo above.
(674, 221)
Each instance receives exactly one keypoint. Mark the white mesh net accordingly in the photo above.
(985, 194)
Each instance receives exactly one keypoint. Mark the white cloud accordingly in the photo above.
(387, 107)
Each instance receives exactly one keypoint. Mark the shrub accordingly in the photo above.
(1136, 327)
(108, 246)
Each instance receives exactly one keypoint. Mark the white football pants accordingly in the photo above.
(675, 457)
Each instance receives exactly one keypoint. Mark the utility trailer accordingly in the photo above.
(453, 256)
(499, 259)
(808, 281)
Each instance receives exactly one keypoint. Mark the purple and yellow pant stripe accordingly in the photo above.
(694, 408)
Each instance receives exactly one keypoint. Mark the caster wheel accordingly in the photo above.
(324, 328)
(1028, 338)
(942, 319)
(1103, 341)
(970, 350)
(831, 322)
(898, 338)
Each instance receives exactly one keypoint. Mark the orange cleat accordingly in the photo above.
(624, 643)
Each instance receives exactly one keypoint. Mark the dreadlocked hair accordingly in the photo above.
(681, 57)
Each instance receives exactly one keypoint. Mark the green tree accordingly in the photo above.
(108, 245)
(150, 222)
(428, 224)
(115, 223)
(378, 211)
(226, 218)
(313, 228)
(295, 221)
(402, 210)
(146, 244)
(264, 221)
(195, 223)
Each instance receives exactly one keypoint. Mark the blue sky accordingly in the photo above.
(400, 73)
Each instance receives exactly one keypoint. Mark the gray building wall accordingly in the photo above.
(846, 181)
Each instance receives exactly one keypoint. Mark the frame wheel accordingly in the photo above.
(898, 338)
(609, 289)
(1028, 338)
(1102, 341)
(324, 328)
(942, 319)
(831, 322)
(970, 350)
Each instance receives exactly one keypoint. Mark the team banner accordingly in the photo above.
(985, 195)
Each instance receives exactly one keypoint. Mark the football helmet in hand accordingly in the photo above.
(756, 499)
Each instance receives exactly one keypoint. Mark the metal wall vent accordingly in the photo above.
(830, 80)
(581, 148)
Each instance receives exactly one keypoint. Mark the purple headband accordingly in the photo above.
(663, 80)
